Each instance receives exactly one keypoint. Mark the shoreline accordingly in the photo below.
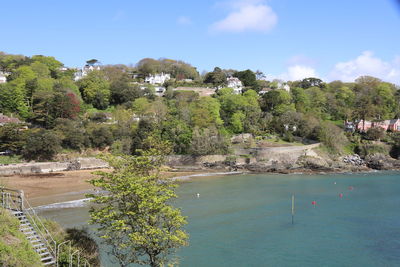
(82, 201)
(66, 186)
(75, 203)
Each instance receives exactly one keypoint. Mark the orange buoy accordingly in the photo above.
(340, 195)
(314, 203)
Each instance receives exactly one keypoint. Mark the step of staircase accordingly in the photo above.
(39, 243)
(47, 258)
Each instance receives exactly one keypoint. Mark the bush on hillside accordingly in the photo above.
(370, 149)
(332, 137)
(376, 134)
(41, 145)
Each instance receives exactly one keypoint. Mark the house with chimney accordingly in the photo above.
(158, 78)
(387, 125)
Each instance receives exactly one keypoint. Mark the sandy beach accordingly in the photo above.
(48, 188)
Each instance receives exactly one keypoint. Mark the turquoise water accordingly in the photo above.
(245, 220)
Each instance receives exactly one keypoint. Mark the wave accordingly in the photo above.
(65, 205)
(186, 177)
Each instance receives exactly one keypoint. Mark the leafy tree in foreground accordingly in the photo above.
(135, 217)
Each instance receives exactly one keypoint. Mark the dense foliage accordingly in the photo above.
(134, 217)
(112, 108)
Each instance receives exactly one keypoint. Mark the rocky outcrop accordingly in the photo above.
(241, 138)
(354, 160)
(382, 162)
(314, 163)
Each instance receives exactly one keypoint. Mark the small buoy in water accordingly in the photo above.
(314, 203)
(334, 183)
(351, 188)
(198, 195)
(340, 195)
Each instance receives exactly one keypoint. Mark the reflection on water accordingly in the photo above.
(245, 220)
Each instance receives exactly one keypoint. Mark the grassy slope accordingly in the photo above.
(15, 249)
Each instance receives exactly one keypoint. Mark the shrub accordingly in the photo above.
(369, 149)
(332, 137)
(377, 133)
(41, 145)
(395, 150)
(100, 135)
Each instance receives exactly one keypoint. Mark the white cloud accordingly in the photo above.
(297, 72)
(367, 64)
(184, 20)
(247, 15)
(301, 60)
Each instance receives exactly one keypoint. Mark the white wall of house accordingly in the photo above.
(3, 77)
(159, 78)
(235, 84)
(79, 74)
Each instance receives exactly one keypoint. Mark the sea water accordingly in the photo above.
(245, 220)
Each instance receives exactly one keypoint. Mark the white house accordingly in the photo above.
(283, 86)
(3, 77)
(158, 78)
(85, 70)
(235, 84)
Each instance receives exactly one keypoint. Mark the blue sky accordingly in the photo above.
(288, 39)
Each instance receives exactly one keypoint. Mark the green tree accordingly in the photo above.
(345, 98)
(208, 141)
(332, 137)
(71, 133)
(178, 69)
(135, 217)
(247, 77)
(52, 64)
(121, 87)
(10, 62)
(277, 102)
(100, 135)
(178, 133)
(41, 145)
(237, 122)
(95, 89)
(234, 107)
(318, 99)
(311, 82)
(13, 99)
(301, 99)
(12, 137)
(206, 112)
(48, 106)
(217, 77)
